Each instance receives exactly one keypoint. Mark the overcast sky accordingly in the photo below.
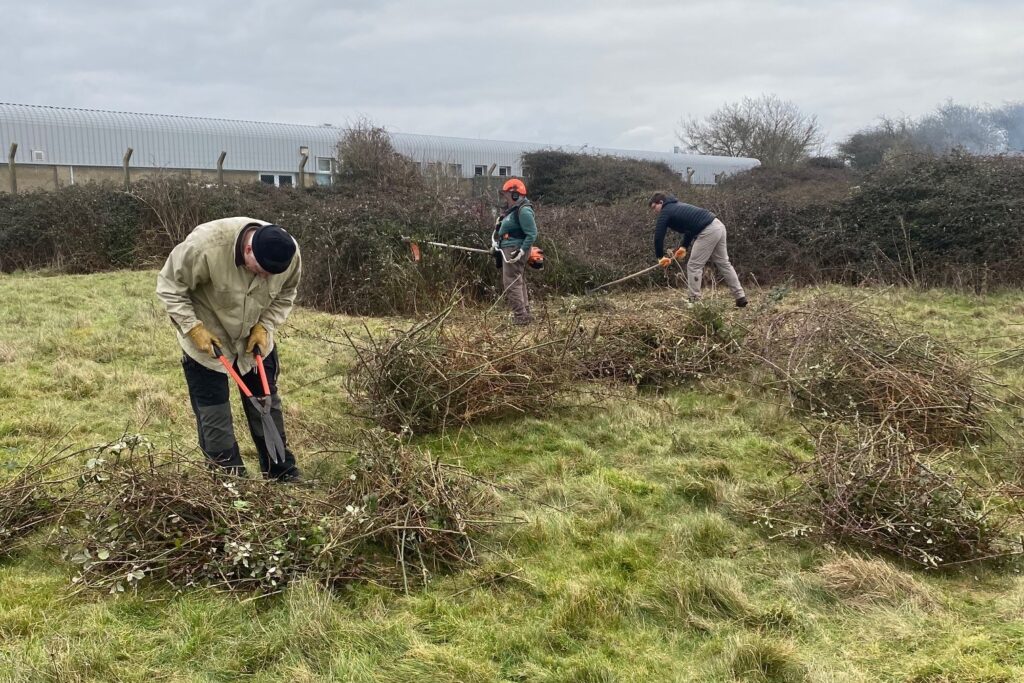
(618, 74)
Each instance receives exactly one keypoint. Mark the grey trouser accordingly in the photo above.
(709, 245)
(513, 284)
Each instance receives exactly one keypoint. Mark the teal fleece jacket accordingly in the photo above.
(521, 234)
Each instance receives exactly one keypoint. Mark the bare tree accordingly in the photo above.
(1010, 117)
(959, 126)
(767, 128)
(951, 126)
(366, 157)
(868, 147)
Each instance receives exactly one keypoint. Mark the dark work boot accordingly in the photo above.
(229, 460)
(741, 302)
(292, 476)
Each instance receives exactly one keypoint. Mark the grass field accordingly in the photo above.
(636, 564)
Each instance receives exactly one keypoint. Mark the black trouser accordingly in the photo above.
(210, 395)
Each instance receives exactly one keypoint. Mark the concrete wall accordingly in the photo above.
(49, 177)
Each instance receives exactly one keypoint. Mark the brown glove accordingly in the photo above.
(202, 338)
(258, 336)
(664, 262)
(679, 254)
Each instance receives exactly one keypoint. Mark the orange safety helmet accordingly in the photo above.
(514, 185)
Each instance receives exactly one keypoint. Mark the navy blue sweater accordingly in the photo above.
(683, 218)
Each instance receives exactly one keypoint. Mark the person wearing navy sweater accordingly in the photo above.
(704, 239)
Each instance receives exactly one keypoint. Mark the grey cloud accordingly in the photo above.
(603, 72)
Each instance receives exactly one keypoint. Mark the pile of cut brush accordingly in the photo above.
(450, 371)
(442, 373)
(841, 359)
(659, 347)
(31, 500)
(140, 517)
(874, 488)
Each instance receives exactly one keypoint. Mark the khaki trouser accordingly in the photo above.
(709, 245)
(513, 283)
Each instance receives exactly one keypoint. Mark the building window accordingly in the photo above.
(504, 170)
(324, 171)
(479, 171)
(277, 180)
(455, 169)
(38, 155)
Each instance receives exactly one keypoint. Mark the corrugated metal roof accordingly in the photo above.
(90, 137)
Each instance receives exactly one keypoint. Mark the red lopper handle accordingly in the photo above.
(262, 371)
(231, 371)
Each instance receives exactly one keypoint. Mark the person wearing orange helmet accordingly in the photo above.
(514, 235)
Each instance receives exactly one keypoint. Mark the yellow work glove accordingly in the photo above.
(202, 338)
(680, 254)
(257, 337)
(664, 262)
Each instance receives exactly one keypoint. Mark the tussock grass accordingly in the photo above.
(761, 660)
(705, 534)
(699, 598)
(862, 582)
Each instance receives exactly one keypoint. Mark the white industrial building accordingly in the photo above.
(60, 145)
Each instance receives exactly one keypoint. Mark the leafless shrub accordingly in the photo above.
(25, 506)
(444, 180)
(874, 488)
(176, 204)
(367, 160)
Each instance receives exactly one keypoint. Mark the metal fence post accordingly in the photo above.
(220, 168)
(11, 169)
(304, 151)
(127, 176)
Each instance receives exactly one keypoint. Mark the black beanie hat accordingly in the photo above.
(273, 248)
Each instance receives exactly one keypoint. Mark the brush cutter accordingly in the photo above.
(271, 436)
(678, 254)
(535, 259)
